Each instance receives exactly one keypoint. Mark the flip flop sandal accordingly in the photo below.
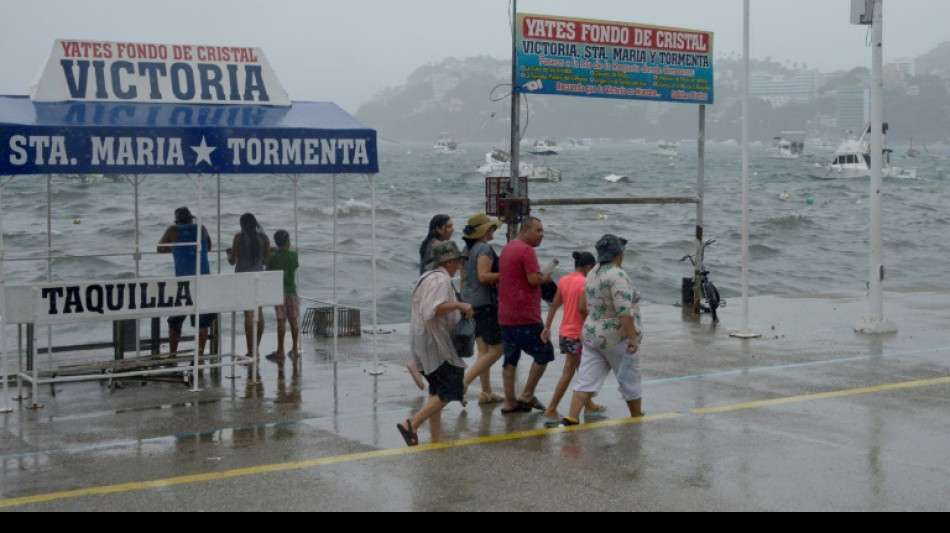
(522, 408)
(533, 404)
(408, 434)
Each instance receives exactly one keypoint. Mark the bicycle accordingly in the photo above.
(708, 291)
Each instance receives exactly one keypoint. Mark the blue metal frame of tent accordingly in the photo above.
(137, 139)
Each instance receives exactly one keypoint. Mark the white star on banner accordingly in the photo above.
(204, 152)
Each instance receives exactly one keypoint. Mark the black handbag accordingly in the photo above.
(464, 337)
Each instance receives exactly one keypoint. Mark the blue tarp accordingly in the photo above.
(139, 138)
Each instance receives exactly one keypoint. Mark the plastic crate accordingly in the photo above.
(319, 321)
(497, 203)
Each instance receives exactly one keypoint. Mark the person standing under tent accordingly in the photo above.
(185, 230)
(249, 252)
(284, 259)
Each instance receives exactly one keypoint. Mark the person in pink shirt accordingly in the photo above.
(519, 315)
(569, 291)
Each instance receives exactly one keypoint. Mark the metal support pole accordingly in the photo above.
(700, 195)
(137, 258)
(875, 321)
(376, 371)
(49, 264)
(515, 185)
(335, 310)
(199, 242)
(744, 333)
(5, 404)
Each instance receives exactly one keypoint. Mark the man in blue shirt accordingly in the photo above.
(185, 230)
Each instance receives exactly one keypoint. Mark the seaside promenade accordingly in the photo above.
(810, 417)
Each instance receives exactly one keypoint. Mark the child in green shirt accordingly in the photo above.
(282, 258)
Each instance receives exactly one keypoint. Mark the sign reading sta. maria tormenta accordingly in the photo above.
(94, 71)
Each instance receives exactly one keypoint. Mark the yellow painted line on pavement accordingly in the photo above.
(823, 396)
(377, 454)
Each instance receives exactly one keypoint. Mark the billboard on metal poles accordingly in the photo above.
(601, 59)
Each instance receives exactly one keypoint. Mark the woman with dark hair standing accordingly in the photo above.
(440, 230)
(249, 253)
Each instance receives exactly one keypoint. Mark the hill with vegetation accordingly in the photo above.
(469, 100)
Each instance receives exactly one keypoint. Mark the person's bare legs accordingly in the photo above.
(534, 377)
(249, 332)
(570, 368)
(294, 335)
(488, 355)
(173, 338)
(432, 407)
(202, 340)
(281, 331)
(260, 328)
(635, 408)
(578, 401)
(508, 374)
(572, 363)
(435, 426)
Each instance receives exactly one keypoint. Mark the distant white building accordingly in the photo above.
(853, 108)
(781, 91)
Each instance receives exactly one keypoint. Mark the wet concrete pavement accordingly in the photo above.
(810, 417)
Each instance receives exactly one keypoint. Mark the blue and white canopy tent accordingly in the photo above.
(209, 117)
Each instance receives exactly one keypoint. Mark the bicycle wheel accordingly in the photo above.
(712, 297)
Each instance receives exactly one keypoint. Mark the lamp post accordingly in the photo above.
(875, 322)
(745, 333)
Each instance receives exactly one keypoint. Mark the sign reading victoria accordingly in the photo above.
(90, 71)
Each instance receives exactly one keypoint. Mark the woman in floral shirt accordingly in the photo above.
(612, 332)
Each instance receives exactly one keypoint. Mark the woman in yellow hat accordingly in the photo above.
(480, 289)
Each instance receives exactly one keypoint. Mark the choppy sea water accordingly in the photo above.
(796, 245)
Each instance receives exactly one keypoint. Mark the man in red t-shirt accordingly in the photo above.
(519, 315)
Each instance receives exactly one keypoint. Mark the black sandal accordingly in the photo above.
(408, 434)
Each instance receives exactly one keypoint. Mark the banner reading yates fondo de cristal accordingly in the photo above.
(92, 71)
(579, 57)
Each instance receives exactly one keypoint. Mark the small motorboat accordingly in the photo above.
(617, 178)
(446, 145)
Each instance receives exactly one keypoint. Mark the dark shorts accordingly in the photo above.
(447, 383)
(570, 346)
(486, 324)
(175, 322)
(528, 339)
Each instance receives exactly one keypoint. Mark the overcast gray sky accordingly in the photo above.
(345, 51)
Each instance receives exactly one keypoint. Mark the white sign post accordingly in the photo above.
(745, 333)
(875, 321)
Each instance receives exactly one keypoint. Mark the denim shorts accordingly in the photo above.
(528, 339)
